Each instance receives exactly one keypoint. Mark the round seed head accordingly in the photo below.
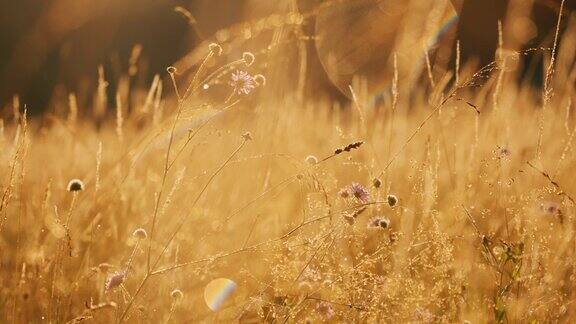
(177, 294)
(215, 49)
(385, 223)
(75, 185)
(311, 159)
(260, 80)
(171, 70)
(248, 58)
(377, 183)
(140, 234)
(392, 200)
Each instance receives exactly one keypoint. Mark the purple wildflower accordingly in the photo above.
(115, 280)
(359, 191)
(242, 82)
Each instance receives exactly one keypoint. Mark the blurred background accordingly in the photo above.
(50, 48)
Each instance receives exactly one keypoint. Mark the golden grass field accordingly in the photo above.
(249, 187)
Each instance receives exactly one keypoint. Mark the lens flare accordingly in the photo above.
(217, 291)
(447, 24)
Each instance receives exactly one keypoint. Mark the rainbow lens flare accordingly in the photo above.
(217, 291)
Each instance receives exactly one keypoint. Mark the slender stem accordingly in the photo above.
(200, 194)
(245, 249)
(131, 302)
(159, 195)
(150, 272)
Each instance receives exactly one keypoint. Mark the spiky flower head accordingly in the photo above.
(242, 82)
(75, 185)
(359, 192)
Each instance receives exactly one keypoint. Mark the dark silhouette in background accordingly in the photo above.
(478, 25)
(374, 31)
(45, 43)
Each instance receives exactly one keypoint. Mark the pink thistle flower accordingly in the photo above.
(242, 82)
(359, 191)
